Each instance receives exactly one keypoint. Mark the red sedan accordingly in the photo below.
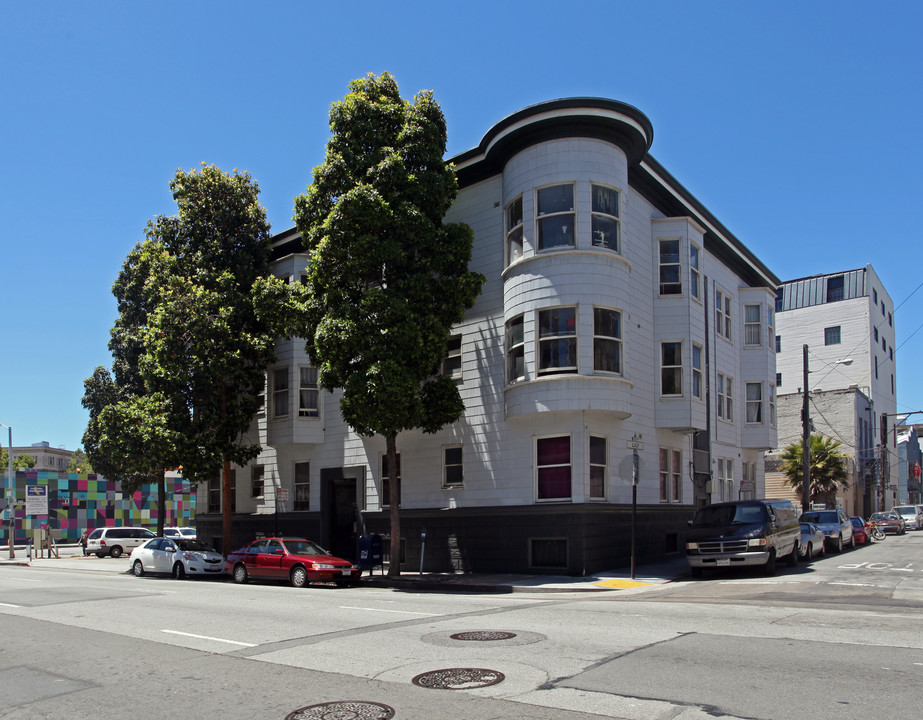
(860, 531)
(293, 560)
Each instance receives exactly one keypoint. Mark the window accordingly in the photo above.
(302, 486)
(875, 334)
(884, 344)
(876, 367)
(778, 379)
(890, 353)
(557, 341)
(697, 371)
(605, 217)
(607, 337)
(723, 314)
(599, 460)
(670, 282)
(725, 397)
(695, 277)
(257, 474)
(452, 364)
(874, 296)
(280, 392)
(752, 325)
(515, 356)
(514, 231)
(555, 216)
(754, 402)
(772, 406)
(552, 461)
(386, 480)
(834, 288)
(671, 368)
(770, 320)
(832, 335)
(307, 392)
(671, 478)
(778, 343)
(780, 294)
(214, 495)
(233, 490)
(883, 311)
(452, 466)
(890, 320)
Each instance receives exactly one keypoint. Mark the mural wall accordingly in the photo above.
(78, 502)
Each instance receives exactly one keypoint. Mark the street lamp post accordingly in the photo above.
(805, 438)
(11, 498)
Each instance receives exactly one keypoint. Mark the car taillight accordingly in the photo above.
(102, 542)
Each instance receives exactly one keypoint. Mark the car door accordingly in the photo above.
(252, 557)
(164, 556)
(270, 560)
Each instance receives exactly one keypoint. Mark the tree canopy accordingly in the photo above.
(387, 278)
(828, 468)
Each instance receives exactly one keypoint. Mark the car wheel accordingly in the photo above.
(179, 571)
(807, 553)
(240, 573)
(100, 555)
(838, 547)
(792, 558)
(116, 552)
(137, 568)
(770, 567)
(299, 576)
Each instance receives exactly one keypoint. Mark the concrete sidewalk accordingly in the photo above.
(646, 576)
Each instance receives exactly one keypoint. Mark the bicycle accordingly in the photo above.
(875, 532)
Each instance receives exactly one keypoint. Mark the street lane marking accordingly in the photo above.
(207, 637)
(402, 612)
(10, 605)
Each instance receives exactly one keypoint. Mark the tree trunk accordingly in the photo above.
(394, 498)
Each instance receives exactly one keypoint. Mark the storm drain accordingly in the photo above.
(483, 635)
(459, 678)
(343, 710)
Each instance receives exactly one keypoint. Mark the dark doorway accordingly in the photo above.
(342, 496)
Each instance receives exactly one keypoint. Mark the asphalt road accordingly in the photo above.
(839, 638)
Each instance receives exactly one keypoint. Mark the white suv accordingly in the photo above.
(115, 541)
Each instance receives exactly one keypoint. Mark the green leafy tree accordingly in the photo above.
(387, 279)
(20, 462)
(80, 463)
(827, 471)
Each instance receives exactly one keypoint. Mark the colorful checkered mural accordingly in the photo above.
(78, 502)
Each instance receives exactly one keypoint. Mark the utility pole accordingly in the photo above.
(805, 438)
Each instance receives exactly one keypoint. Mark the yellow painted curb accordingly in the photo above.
(622, 584)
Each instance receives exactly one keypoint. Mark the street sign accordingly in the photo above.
(36, 499)
(635, 445)
(282, 495)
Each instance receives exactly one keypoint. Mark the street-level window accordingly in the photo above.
(307, 392)
(671, 368)
(671, 468)
(552, 462)
(599, 461)
(514, 231)
(605, 217)
(555, 222)
(670, 279)
(452, 466)
(607, 340)
(557, 340)
(515, 351)
(754, 402)
(302, 486)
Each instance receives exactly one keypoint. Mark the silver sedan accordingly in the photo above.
(812, 541)
(176, 557)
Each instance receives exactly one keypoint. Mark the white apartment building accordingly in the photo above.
(47, 458)
(847, 321)
(619, 316)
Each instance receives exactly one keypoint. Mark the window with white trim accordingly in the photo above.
(386, 480)
(754, 392)
(452, 472)
(770, 324)
(772, 405)
(697, 385)
(605, 217)
(599, 462)
(671, 478)
(280, 392)
(452, 363)
(670, 279)
(752, 330)
(557, 340)
(724, 389)
(695, 277)
(257, 476)
(515, 351)
(832, 335)
(555, 211)
(722, 314)
(553, 468)
(514, 231)
(671, 368)
(214, 495)
(307, 391)
(607, 340)
(302, 486)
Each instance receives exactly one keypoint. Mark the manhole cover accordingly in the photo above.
(343, 710)
(483, 635)
(459, 678)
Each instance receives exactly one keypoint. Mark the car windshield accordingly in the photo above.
(193, 545)
(906, 510)
(187, 532)
(728, 515)
(304, 547)
(878, 517)
(821, 516)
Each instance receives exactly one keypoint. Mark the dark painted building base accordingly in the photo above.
(545, 539)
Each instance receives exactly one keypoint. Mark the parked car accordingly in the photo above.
(743, 533)
(836, 526)
(913, 518)
(295, 560)
(812, 541)
(176, 532)
(889, 522)
(860, 532)
(116, 540)
(178, 557)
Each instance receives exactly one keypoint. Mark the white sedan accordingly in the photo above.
(176, 557)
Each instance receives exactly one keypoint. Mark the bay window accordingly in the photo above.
(514, 231)
(555, 223)
(605, 217)
(557, 340)
(515, 351)
(671, 368)
(670, 281)
(607, 340)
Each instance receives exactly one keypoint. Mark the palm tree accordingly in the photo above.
(828, 468)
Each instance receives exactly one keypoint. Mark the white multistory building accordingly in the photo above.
(620, 319)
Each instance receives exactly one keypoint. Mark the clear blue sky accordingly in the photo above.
(798, 124)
